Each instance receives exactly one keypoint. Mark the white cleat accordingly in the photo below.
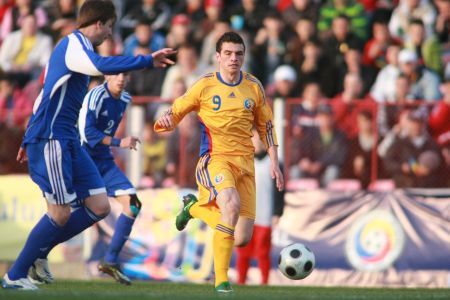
(39, 272)
(19, 284)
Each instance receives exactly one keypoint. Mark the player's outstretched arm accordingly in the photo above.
(275, 171)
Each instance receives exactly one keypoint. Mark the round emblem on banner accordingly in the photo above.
(249, 103)
(219, 178)
(374, 241)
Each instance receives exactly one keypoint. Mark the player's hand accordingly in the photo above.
(276, 174)
(160, 57)
(130, 142)
(22, 155)
(166, 120)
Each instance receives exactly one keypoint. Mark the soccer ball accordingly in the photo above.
(296, 261)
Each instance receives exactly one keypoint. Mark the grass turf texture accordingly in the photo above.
(103, 289)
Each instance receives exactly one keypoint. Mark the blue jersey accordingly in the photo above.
(56, 110)
(100, 116)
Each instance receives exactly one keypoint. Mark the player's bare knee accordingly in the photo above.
(59, 214)
(99, 205)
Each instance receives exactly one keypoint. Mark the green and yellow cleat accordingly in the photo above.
(184, 216)
(224, 287)
(115, 272)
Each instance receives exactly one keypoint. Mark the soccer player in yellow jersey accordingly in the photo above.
(229, 104)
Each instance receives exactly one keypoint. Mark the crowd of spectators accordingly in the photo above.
(373, 77)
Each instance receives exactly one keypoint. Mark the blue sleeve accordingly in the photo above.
(81, 58)
(89, 132)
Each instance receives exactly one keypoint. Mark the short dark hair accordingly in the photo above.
(93, 11)
(229, 37)
(416, 21)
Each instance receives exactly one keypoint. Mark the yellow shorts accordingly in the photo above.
(216, 173)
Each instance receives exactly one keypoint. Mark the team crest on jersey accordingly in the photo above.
(105, 113)
(219, 178)
(249, 104)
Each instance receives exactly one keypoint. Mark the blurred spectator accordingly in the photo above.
(195, 11)
(146, 82)
(155, 156)
(301, 9)
(340, 41)
(143, 36)
(284, 84)
(353, 10)
(415, 160)
(187, 67)
(442, 25)
(383, 90)
(62, 15)
(26, 51)
(376, 48)
(14, 16)
(424, 83)
(269, 48)
(348, 104)
(388, 113)
(428, 49)
(208, 52)
(305, 30)
(268, 211)
(179, 32)
(439, 123)
(15, 106)
(304, 115)
(315, 67)
(184, 147)
(322, 151)
(407, 10)
(213, 11)
(398, 131)
(353, 64)
(248, 15)
(156, 11)
(359, 162)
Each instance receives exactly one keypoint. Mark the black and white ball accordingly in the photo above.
(296, 261)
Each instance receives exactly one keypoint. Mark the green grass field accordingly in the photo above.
(102, 289)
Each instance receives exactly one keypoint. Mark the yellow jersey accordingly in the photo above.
(227, 114)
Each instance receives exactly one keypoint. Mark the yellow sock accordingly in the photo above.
(208, 214)
(223, 242)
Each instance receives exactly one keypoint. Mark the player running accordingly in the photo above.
(229, 103)
(57, 163)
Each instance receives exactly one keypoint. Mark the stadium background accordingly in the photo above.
(369, 223)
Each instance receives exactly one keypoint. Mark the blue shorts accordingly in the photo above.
(63, 170)
(117, 184)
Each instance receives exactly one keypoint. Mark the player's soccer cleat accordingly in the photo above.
(19, 284)
(39, 272)
(115, 272)
(224, 287)
(184, 216)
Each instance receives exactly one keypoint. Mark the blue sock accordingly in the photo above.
(39, 240)
(121, 233)
(79, 220)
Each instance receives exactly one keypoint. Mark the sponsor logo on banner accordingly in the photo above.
(375, 241)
